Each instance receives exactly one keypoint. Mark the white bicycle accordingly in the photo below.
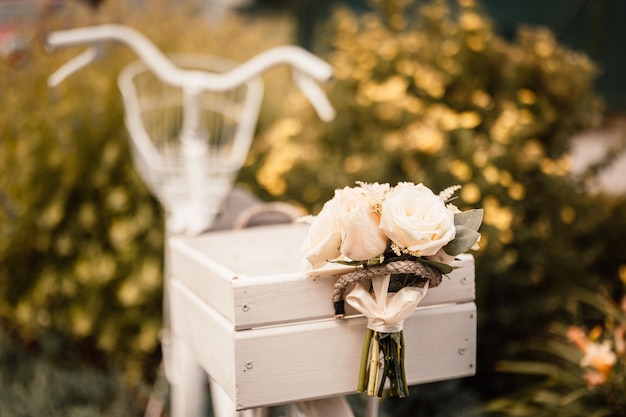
(191, 120)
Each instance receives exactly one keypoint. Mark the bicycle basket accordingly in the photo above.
(190, 189)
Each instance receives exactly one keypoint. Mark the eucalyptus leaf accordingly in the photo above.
(471, 219)
(464, 240)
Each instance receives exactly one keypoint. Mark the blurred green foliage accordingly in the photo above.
(434, 95)
(581, 364)
(81, 243)
(430, 95)
(81, 238)
(38, 383)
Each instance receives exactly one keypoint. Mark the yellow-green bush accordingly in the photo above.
(433, 96)
(81, 239)
(436, 96)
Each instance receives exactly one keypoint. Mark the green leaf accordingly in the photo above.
(370, 262)
(528, 367)
(471, 219)
(548, 397)
(375, 261)
(603, 412)
(464, 240)
(576, 395)
(348, 263)
(441, 267)
(600, 302)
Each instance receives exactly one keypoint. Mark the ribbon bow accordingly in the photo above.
(385, 312)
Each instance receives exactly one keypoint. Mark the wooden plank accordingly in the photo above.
(202, 274)
(206, 333)
(208, 264)
(314, 360)
(287, 363)
(257, 251)
(260, 270)
(262, 301)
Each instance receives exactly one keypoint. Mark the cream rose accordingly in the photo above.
(415, 219)
(361, 238)
(346, 228)
(324, 238)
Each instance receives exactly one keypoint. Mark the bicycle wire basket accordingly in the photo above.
(190, 178)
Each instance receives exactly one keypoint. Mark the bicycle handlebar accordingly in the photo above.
(306, 65)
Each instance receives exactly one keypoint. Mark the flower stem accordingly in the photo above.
(405, 387)
(384, 347)
(365, 354)
(373, 372)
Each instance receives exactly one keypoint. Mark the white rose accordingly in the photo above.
(324, 238)
(416, 219)
(361, 238)
(346, 228)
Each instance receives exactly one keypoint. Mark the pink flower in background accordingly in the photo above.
(599, 356)
(594, 379)
(577, 336)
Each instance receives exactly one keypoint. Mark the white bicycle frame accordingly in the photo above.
(308, 70)
(197, 215)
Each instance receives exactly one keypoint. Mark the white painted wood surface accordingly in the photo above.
(279, 364)
(246, 274)
(263, 329)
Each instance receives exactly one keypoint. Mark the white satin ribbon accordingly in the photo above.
(385, 312)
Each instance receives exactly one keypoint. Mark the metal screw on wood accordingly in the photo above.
(462, 351)
(249, 365)
(245, 308)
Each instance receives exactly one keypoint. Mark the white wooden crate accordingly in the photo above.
(264, 329)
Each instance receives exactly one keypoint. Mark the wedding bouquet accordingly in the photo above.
(400, 239)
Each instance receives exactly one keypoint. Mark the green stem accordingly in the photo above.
(404, 389)
(364, 360)
(394, 383)
(384, 347)
(373, 372)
